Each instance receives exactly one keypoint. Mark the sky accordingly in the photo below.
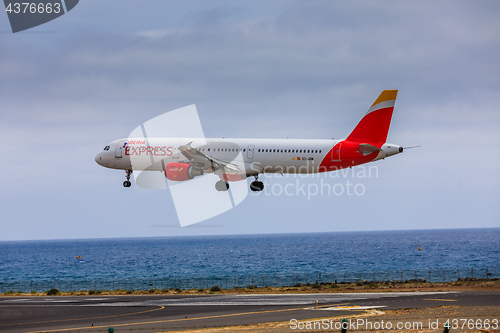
(254, 69)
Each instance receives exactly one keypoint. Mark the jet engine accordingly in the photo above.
(181, 171)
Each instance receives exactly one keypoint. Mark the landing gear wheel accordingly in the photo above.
(256, 186)
(127, 183)
(222, 185)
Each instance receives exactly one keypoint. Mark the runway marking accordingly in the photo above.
(439, 299)
(53, 321)
(354, 307)
(330, 305)
(180, 319)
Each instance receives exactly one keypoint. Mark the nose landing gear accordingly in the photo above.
(127, 183)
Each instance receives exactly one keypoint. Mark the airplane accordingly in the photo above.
(182, 159)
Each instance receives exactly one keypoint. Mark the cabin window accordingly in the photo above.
(243, 150)
(320, 151)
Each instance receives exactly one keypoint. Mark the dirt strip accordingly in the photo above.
(477, 285)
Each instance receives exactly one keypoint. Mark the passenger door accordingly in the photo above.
(250, 152)
(336, 152)
(120, 147)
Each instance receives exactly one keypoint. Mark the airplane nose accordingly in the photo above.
(98, 159)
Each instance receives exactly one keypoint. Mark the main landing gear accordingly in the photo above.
(222, 186)
(127, 183)
(256, 185)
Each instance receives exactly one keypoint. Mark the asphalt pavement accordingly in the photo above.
(153, 313)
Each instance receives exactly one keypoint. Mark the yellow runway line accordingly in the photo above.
(174, 320)
(88, 318)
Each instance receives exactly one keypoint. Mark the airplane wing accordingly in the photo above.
(198, 158)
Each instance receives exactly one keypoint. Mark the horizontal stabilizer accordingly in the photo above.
(366, 149)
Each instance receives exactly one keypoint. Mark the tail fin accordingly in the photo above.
(375, 124)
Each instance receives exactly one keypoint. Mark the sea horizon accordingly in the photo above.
(246, 234)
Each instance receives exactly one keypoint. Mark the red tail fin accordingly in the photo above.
(375, 124)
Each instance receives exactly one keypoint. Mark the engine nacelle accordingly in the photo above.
(181, 171)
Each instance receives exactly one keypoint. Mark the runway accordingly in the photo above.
(176, 312)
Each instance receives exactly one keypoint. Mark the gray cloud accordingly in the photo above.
(303, 69)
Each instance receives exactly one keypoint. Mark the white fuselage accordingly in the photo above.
(254, 156)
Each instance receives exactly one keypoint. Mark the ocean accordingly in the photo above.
(335, 255)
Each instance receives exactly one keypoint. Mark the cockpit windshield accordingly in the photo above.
(106, 148)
